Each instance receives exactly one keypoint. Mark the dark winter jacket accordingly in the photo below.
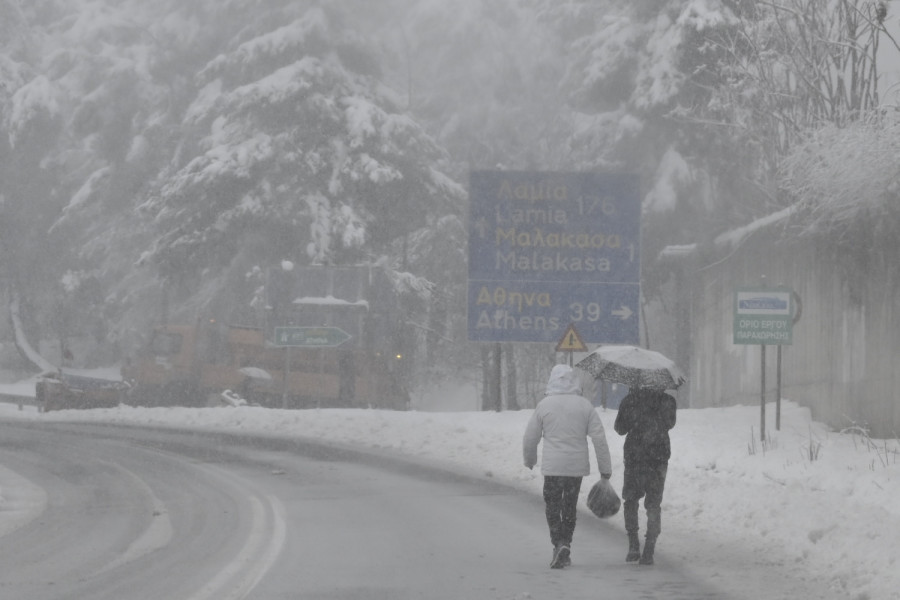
(645, 418)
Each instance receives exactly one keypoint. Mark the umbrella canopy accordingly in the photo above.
(632, 366)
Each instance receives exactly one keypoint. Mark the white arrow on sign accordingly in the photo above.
(623, 313)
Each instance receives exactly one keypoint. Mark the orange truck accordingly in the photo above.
(196, 365)
(337, 349)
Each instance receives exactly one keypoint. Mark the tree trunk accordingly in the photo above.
(485, 377)
(512, 402)
(496, 378)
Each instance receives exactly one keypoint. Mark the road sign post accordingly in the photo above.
(764, 316)
(548, 249)
(797, 310)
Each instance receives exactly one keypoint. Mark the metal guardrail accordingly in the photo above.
(20, 400)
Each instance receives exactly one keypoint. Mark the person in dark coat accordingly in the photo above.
(645, 417)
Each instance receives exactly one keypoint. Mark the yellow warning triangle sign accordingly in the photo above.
(571, 341)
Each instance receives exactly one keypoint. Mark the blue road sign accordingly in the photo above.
(547, 250)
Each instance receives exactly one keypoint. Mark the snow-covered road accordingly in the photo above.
(811, 514)
(136, 514)
(109, 514)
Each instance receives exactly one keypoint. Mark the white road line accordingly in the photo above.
(264, 543)
(157, 535)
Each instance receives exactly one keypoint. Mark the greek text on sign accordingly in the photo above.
(549, 249)
(763, 316)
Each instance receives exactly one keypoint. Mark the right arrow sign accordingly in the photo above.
(623, 313)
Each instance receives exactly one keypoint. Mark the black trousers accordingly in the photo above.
(644, 480)
(561, 504)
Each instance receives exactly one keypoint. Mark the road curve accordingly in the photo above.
(115, 515)
(112, 512)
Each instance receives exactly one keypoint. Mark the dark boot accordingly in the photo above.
(560, 558)
(634, 547)
(565, 556)
(649, 547)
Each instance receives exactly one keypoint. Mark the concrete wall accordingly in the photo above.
(844, 363)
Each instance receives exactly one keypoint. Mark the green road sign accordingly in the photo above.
(310, 337)
(763, 316)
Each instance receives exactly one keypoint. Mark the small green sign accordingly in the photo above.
(763, 316)
(310, 337)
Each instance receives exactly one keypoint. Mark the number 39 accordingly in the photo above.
(580, 312)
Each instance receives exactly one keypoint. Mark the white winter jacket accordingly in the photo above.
(565, 419)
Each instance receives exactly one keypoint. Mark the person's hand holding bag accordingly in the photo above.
(603, 499)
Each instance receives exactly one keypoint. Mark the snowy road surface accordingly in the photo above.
(107, 512)
(106, 518)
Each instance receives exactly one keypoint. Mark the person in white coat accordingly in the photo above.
(564, 419)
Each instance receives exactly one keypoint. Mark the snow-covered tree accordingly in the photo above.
(705, 97)
(845, 181)
(177, 145)
(775, 71)
(175, 149)
(291, 137)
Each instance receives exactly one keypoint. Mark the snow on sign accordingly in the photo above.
(763, 316)
(550, 249)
